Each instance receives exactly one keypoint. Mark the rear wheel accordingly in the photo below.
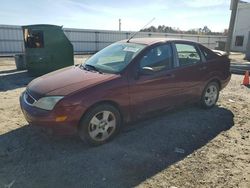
(100, 124)
(210, 95)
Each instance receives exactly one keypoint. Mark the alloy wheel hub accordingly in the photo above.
(102, 125)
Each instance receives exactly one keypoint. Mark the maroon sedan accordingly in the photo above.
(123, 82)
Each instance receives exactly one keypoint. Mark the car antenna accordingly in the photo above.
(140, 29)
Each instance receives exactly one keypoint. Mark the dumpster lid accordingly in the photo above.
(41, 26)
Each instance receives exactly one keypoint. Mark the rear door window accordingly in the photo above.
(187, 54)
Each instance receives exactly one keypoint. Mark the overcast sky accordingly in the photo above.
(104, 14)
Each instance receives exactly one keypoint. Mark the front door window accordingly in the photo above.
(158, 58)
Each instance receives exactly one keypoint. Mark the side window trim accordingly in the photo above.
(203, 58)
(175, 55)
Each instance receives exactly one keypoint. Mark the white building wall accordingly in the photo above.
(242, 26)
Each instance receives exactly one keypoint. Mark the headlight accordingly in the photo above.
(47, 103)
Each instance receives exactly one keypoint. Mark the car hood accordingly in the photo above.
(66, 81)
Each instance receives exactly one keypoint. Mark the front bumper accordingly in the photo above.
(47, 119)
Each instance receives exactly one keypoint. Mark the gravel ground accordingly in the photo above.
(188, 147)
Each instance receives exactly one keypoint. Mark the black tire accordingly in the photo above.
(204, 99)
(86, 128)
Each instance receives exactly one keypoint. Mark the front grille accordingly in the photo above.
(28, 98)
(34, 94)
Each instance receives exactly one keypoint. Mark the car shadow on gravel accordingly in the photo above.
(31, 158)
(10, 80)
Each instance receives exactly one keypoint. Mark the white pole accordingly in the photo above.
(234, 5)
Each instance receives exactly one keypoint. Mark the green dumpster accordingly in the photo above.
(20, 62)
(46, 49)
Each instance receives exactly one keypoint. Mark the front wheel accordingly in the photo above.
(210, 95)
(100, 124)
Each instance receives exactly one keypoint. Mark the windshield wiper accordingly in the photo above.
(90, 68)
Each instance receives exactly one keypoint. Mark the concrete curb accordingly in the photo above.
(239, 68)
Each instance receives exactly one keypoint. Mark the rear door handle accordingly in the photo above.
(203, 68)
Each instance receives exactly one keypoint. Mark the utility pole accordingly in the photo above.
(234, 6)
(120, 25)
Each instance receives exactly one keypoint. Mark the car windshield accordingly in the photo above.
(114, 58)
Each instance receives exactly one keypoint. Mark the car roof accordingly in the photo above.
(150, 41)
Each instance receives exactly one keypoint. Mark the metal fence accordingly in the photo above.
(90, 41)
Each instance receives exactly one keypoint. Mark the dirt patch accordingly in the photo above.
(7, 64)
(188, 147)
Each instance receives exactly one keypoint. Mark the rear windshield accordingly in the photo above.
(33, 39)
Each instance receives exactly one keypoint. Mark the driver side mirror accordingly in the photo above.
(147, 71)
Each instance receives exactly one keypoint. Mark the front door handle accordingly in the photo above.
(169, 75)
(203, 68)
